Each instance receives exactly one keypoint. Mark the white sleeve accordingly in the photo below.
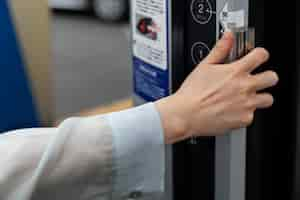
(139, 154)
(73, 161)
(107, 157)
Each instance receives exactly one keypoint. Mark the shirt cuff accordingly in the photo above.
(139, 153)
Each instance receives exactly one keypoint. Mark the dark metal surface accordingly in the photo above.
(193, 160)
(271, 140)
(297, 156)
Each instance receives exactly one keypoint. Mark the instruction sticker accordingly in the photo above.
(150, 48)
(232, 17)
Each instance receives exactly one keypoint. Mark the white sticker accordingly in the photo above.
(234, 17)
(237, 18)
(224, 17)
(149, 21)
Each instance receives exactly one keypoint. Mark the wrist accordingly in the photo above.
(173, 121)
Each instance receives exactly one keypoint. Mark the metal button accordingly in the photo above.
(135, 195)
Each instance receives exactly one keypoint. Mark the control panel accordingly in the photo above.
(200, 35)
(200, 23)
(194, 159)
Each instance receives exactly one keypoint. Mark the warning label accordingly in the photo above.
(150, 48)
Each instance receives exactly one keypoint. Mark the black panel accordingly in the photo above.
(178, 19)
(178, 76)
(271, 140)
(200, 37)
(193, 163)
(297, 168)
(255, 146)
(271, 147)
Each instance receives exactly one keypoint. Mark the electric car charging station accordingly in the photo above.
(169, 38)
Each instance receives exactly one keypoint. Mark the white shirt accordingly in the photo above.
(115, 156)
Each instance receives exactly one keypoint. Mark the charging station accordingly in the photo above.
(169, 38)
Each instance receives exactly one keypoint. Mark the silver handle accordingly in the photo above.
(244, 42)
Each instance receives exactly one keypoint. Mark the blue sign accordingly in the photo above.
(150, 49)
(17, 109)
(150, 83)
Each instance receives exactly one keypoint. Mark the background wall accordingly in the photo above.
(32, 24)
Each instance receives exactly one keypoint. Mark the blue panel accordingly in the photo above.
(150, 83)
(17, 109)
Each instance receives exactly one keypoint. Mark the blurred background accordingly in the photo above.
(91, 53)
(62, 58)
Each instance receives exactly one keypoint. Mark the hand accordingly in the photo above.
(216, 97)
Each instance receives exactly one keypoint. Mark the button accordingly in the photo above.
(202, 11)
(135, 195)
(199, 51)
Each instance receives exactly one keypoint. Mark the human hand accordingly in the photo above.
(218, 97)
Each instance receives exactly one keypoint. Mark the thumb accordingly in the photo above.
(221, 51)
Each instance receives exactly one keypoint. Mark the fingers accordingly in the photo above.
(260, 82)
(264, 100)
(221, 51)
(254, 59)
(265, 80)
